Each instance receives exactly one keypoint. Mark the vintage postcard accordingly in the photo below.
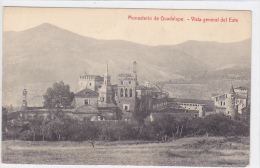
(146, 87)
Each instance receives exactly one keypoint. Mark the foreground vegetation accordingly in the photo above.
(191, 151)
(214, 140)
(162, 129)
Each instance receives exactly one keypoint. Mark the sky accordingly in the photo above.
(114, 24)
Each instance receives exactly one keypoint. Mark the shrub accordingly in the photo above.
(27, 135)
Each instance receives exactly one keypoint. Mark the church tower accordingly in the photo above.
(126, 93)
(231, 110)
(106, 92)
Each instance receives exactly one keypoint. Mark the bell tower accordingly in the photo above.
(126, 92)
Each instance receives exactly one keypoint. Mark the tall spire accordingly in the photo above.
(135, 70)
(107, 69)
(231, 91)
(106, 76)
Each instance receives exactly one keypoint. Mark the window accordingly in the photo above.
(126, 107)
(87, 102)
(121, 92)
(89, 84)
(130, 93)
(122, 82)
(108, 100)
(129, 82)
(126, 92)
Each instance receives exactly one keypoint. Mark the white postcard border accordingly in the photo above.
(214, 5)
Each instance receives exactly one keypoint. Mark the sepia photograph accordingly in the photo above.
(139, 87)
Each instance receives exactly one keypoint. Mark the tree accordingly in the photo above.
(58, 96)
(165, 126)
(35, 128)
(140, 113)
(84, 131)
(185, 125)
(4, 122)
(219, 125)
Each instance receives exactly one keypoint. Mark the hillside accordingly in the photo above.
(37, 57)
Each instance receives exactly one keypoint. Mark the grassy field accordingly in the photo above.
(195, 151)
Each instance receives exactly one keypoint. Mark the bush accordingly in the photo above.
(115, 131)
(83, 131)
(27, 135)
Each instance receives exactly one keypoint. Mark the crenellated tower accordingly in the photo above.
(231, 109)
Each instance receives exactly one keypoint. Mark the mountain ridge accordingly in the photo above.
(47, 53)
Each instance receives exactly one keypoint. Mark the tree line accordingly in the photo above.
(162, 129)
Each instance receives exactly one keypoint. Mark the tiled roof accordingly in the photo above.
(140, 87)
(86, 109)
(86, 93)
(195, 101)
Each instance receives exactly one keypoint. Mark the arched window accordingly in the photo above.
(115, 92)
(121, 92)
(126, 92)
(130, 93)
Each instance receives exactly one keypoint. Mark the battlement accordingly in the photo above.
(91, 77)
(125, 75)
(239, 90)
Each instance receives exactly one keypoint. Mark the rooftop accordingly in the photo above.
(86, 93)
